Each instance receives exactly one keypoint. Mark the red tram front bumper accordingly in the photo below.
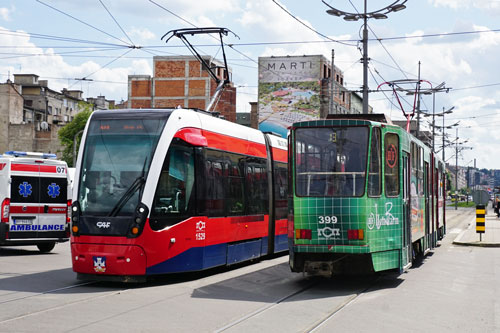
(99, 259)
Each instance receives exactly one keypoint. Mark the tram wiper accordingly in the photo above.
(136, 184)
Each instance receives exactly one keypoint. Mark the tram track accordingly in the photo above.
(266, 308)
(339, 308)
(46, 292)
(318, 323)
(59, 306)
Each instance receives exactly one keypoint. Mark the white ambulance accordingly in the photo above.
(36, 197)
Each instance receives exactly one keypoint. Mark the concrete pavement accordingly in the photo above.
(469, 237)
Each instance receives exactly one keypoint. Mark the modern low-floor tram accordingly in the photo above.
(168, 191)
(364, 195)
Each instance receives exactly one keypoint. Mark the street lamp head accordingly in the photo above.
(351, 18)
(397, 8)
(334, 12)
(379, 16)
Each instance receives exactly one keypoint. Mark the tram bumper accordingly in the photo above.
(108, 260)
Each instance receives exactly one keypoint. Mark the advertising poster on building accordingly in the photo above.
(289, 91)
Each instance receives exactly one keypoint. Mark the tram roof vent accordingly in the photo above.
(378, 117)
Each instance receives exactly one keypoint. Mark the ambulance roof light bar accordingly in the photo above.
(30, 154)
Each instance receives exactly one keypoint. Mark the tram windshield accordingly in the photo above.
(116, 161)
(331, 161)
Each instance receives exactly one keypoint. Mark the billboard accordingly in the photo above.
(289, 91)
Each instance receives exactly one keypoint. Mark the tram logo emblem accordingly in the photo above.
(376, 220)
(327, 232)
(99, 264)
(200, 226)
(200, 231)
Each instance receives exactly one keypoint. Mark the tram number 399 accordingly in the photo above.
(327, 219)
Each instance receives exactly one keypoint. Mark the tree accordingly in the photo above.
(74, 128)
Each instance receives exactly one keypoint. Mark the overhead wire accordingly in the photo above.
(104, 66)
(83, 22)
(118, 24)
(308, 27)
(57, 38)
(229, 45)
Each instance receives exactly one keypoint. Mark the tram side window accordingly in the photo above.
(391, 148)
(374, 177)
(234, 193)
(420, 172)
(222, 186)
(176, 185)
(257, 186)
(214, 190)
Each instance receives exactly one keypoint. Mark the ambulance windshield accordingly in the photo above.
(117, 153)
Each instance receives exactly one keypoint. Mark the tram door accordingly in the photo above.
(407, 247)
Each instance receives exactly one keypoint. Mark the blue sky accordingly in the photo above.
(40, 37)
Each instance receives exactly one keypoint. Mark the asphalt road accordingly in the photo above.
(453, 289)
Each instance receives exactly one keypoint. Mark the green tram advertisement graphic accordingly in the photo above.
(358, 197)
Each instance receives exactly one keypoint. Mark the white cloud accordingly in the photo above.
(60, 74)
(5, 13)
(493, 7)
(141, 33)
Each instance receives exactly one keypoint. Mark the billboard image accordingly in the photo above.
(289, 91)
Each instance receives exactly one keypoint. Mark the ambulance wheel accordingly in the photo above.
(46, 247)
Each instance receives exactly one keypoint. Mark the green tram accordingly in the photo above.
(365, 196)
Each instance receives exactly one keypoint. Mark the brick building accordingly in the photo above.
(181, 81)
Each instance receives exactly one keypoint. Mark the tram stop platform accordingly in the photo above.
(469, 236)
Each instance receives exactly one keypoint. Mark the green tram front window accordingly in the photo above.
(331, 161)
(115, 164)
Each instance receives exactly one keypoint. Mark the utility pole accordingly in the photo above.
(418, 102)
(365, 63)
(332, 83)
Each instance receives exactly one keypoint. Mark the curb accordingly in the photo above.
(478, 243)
(458, 241)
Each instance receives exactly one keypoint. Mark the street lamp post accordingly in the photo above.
(378, 14)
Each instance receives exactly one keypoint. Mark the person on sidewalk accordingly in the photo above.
(497, 206)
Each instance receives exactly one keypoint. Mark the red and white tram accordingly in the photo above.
(164, 191)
